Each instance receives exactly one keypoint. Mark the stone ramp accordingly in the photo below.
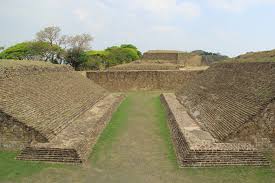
(74, 143)
(198, 148)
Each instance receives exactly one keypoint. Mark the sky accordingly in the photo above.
(230, 27)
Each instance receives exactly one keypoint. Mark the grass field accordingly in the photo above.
(134, 147)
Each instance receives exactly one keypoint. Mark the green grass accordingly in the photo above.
(135, 146)
(109, 134)
(164, 130)
(11, 169)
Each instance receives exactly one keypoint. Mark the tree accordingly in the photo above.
(46, 52)
(132, 47)
(2, 48)
(78, 44)
(19, 51)
(34, 51)
(76, 58)
(117, 55)
(49, 34)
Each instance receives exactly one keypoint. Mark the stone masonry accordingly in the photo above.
(230, 100)
(196, 147)
(50, 111)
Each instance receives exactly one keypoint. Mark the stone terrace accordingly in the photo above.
(198, 148)
(228, 96)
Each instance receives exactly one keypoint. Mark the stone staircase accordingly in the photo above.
(50, 155)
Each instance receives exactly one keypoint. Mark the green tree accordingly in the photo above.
(118, 55)
(34, 51)
(76, 58)
(92, 63)
(19, 51)
(133, 47)
(76, 55)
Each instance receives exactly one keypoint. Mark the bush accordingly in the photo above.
(92, 63)
(111, 56)
(118, 55)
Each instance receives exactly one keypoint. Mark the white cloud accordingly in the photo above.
(236, 5)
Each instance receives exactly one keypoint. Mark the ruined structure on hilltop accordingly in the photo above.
(174, 57)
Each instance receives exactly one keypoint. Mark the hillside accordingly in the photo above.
(261, 56)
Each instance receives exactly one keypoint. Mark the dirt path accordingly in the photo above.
(137, 148)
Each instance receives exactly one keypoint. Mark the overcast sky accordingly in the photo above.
(227, 26)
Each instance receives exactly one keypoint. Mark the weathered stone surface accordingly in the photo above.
(12, 68)
(39, 99)
(15, 135)
(74, 143)
(141, 80)
(228, 97)
(174, 57)
(196, 147)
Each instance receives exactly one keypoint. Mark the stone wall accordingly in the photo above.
(260, 130)
(43, 97)
(227, 98)
(74, 144)
(15, 135)
(180, 58)
(161, 56)
(196, 147)
(141, 80)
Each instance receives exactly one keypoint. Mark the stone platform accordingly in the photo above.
(198, 148)
(74, 143)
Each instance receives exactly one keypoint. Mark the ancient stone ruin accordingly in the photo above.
(175, 57)
(224, 115)
(221, 116)
(51, 112)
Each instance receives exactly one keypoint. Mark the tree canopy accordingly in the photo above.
(50, 45)
(33, 51)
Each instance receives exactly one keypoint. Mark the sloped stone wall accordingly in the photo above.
(196, 147)
(260, 131)
(228, 97)
(38, 100)
(15, 136)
